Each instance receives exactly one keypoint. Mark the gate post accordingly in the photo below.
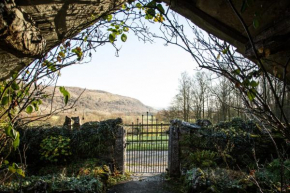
(173, 151)
(120, 149)
(177, 130)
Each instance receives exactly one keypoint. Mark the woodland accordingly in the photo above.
(245, 94)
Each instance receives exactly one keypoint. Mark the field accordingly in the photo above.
(150, 141)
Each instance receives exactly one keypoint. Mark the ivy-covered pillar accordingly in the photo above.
(177, 131)
(173, 151)
(120, 150)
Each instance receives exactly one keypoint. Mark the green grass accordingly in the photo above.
(148, 146)
(147, 142)
(146, 137)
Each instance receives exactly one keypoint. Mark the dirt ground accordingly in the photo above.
(146, 183)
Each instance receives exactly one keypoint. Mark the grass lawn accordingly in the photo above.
(149, 146)
(148, 142)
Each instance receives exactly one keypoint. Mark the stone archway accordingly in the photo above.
(49, 23)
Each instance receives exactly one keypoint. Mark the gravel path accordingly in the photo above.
(145, 183)
(146, 161)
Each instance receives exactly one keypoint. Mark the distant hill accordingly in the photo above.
(95, 104)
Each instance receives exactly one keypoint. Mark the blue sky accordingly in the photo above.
(147, 72)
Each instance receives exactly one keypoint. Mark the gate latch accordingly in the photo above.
(126, 144)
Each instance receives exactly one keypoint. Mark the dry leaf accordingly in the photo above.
(267, 53)
(261, 50)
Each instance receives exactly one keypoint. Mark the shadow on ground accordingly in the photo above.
(146, 183)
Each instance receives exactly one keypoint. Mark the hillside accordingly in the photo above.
(95, 105)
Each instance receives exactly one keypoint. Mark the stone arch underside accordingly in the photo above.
(29, 28)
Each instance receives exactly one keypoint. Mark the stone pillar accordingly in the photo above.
(120, 150)
(178, 129)
(173, 152)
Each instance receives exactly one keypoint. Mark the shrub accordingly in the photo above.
(203, 159)
(270, 176)
(55, 149)
(217, 180)
(49, 184)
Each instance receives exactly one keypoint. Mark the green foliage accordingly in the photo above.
(116, 30)
(203, 159)
(78, 51)
(271, 175)
(14, 168)
(81, 184)
(55, 149)
(91, 141)
(13, 134)
(231, 141)
(217, 180)
(65, 93)
(151, 14)
(29, 109)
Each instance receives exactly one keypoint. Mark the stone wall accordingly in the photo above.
(120, 153)
(30, 28)
(235, 143)
(177, 131)
(103, 140)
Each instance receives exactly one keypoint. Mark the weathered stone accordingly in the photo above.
(177, 130)
(77, 123)
(218, 18)
(119, 149)
(67, 123)
(173, 152)
(29, 28)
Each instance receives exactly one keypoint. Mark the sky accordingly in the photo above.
(147, 72)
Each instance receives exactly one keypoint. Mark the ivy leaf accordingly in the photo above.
(29, 109)
(125, 29)
(251, 94)
(138, 5)
(151, 12)
(160, 8)
(152, 4)
(8, 130)
(237, 71)
(20, 172)
(12, 169)
(5, 100)
(124, 6)
(14, 75)
(109, 18)
(65, 94)
(124, 37)
(15, 86)
(256, 23)
(61, 54)
(16, 141)
(112, 38)
(225, 51)
(254, 83)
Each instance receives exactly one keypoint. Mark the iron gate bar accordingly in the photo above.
(161, 143)
(151, 125)
(146, 132)
(151, 140)
(147, 145)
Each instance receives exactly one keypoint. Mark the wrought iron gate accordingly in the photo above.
(147, 146)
